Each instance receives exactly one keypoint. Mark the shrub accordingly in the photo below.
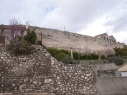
(116, 60)
(62, 56)
(31, 36)
(84, 57)
(65, 51)
(19, 46)
(59, 54)
(92, 56)
(53, 51)
(103, 57)
(110, 55)
(39, 42)
(76, 55)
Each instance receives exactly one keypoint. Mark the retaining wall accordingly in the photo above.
(39, 72)
(112, 85)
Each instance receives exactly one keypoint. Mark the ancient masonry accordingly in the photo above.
(100, 44)
(39, 72)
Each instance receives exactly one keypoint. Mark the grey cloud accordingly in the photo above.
(118, 21)
(74, 14)
(79, 14)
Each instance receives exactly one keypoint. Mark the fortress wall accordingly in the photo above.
(80, 43)
(66, 40)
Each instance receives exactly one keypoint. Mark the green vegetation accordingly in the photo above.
(31, 36)
(18, 45)
(22, 45)
(122, 52)
(121, 55)
(90, 56)
(116, 60)
(59, 54)
(103, 57)
(64, 56)
(76, 55)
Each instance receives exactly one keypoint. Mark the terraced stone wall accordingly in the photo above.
(39, 72)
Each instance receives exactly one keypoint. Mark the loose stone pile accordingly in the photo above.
(39, 72)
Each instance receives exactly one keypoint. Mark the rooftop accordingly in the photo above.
(123, 68)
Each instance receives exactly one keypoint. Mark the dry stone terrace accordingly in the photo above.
(40, 73)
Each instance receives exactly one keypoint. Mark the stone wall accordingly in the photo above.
(105, 70)
(112, 85)
(66, 40)
(39, 72)
(78, 42)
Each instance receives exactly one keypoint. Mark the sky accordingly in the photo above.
(87, 17)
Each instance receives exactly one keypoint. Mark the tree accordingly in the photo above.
(121, 51)
(18, 45)
(16, 28)
(31, 36)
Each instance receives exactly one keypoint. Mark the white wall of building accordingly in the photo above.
(123, 73)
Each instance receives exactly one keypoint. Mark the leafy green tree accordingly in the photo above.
(121, 51)
(125, 50)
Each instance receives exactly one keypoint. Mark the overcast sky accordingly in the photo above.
(88, 17)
